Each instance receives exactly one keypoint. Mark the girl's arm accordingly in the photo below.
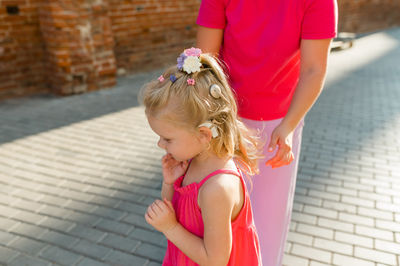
(313, 65)
(216, 203)
(167, 191)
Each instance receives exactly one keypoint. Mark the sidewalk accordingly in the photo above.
(77, 173)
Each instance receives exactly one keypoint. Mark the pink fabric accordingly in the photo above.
(272, 195)
(245, 245)
(261, 47)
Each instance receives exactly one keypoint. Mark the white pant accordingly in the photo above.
(272, 195)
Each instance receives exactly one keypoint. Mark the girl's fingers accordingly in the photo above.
(154, 209)
(162, 206)
(148, 218)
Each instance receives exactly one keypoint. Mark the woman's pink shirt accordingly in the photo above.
(261, 47)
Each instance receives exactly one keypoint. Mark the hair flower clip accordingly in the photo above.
(172, 78)
(193, 52)
(215, 91)
(212, 127)
(191, 82)
(189, 60)
(161, 78)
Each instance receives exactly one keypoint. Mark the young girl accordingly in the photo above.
(205, 210)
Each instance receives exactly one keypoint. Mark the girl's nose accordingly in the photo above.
(161, 144)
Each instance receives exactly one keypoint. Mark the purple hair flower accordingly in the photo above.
(181, 60)
(172, 78)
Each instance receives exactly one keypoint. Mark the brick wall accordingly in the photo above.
(79, 45)
(362, 16)
(73, 46)
(21, 49)
(151, 33)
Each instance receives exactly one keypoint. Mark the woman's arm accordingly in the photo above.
(313, 65)
(209, 40)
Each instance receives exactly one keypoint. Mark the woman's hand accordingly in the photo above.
(282, 136)
(161, 215)
(172, 169)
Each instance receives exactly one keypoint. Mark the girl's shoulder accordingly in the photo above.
(225, 185)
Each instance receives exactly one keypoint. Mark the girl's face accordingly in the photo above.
(181, 143)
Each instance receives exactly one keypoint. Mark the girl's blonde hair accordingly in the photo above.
(191, 105)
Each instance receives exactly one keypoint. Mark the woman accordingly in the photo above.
(276, 53)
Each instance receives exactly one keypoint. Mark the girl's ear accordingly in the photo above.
(205, 134)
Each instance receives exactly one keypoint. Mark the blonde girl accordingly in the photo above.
(205, 210)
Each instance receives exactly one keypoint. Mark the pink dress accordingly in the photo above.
(245, 245)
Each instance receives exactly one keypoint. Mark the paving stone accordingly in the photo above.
(6, 223)
(152, 263)
(324, 195)
(114, 227)
(356, 219)
(290, 260)
(28, 230)
(60, 256)
(308, 200)
(58, 239)
(374, 255)
(374, 213)
(339, 259)
(387, 246)
(150, 251)
(314, 231)
(91, 262)
(88, 233)
(331, 245)
(119, 242)
(338, 206)
(300, 238)
(119, 258)
(388, 225)
(358, 201)
(91, 249)
(108, 212)
(322, 212)
(26, 245)
(7, 254)
(304, 218)
(26, 260)
(354, 239)
(312, 253)
(150, 236)
(373, 232)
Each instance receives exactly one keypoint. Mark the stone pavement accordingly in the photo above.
(77, 173)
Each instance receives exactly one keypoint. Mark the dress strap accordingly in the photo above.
(219, 171)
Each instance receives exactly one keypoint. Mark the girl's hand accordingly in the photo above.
(161, 215)
(172, 169)
(283, 137)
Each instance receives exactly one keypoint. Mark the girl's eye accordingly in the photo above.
(167, 140)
